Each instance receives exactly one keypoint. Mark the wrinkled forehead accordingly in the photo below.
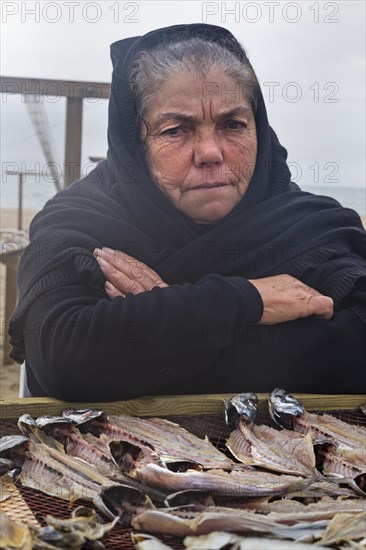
(190, 95)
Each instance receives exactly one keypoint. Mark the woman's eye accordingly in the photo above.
(235, 125)
(176, 131)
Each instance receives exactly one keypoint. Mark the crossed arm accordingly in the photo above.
(222, 334)
(284, 297)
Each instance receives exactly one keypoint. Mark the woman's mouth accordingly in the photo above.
(210, 185)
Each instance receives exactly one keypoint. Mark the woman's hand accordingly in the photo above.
(125, 274)
(286, 298)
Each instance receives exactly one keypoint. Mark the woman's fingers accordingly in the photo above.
(126, 274)
(286, 298)
(118, 278)
(134, 268)
(112, 291)
(322, 306)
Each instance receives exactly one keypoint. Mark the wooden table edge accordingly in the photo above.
(168, 405)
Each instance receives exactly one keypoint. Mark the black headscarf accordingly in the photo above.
(276, 228)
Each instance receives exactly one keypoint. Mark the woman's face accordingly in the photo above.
(202, 144)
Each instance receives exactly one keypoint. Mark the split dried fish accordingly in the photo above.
(218, 540)
(84, 526)
(90, 449)
(334, 464)
(65, 431)
(53, 472)
(345, 527)
(93, 450)
(144, 541)
(182, 523)
(284, 452)
(166, 441)
(285, 409)
(341, 447)
(294, 512)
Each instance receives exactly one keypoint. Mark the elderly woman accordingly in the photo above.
(188, 262)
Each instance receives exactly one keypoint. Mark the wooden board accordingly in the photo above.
(169, 405)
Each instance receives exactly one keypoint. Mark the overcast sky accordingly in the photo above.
(308, 56)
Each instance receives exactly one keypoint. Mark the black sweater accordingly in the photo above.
(187, 338)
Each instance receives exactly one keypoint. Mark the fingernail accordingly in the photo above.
(108, 250)
(109, 286)
(102, 262)
(97, 252)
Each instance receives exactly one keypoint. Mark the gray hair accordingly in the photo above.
(152, 68)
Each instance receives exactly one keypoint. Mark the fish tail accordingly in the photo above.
(298, 486)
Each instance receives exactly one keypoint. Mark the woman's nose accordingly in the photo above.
(207, 149)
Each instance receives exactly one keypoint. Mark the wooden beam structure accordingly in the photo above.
(74, 124)
(75, 92)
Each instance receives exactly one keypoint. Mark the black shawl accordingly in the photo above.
(276, 228)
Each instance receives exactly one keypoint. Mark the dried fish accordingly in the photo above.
(14, 534)
(90, 449)
(6, 466)
(334, 464)
(285, 451)
(292, 512)
(243, 406)
(144, 541)
(340, 447)
(160, 440)
(218, 540)
(54, 473)
(180, 522)
(219, 482)
(12, 449)
(284, 409)
(84, 526)
(345, 527)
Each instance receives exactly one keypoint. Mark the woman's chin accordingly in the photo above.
(211, 213)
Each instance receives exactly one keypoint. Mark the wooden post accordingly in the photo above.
(20, 200)
(74, 123)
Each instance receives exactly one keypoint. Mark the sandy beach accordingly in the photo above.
(9, 374)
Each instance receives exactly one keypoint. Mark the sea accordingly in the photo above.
(36, 193)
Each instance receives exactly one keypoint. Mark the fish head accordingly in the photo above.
(360, 482)
(284, 409)
(13, 448)
(26, 424)
(58, 427)
(243, 406)
(125, 455)
(124, 502)
(87, 420)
